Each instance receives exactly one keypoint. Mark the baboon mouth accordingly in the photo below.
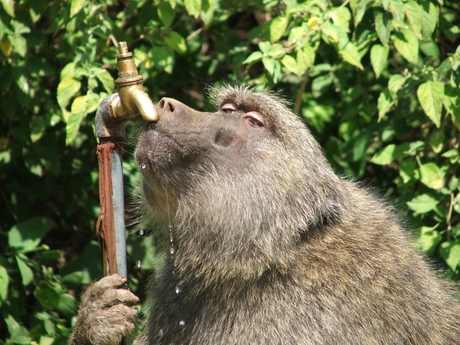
(157, 149)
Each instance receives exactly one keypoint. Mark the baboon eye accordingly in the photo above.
(254, 119)
(229, 108)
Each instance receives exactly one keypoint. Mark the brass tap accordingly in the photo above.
(131, 99)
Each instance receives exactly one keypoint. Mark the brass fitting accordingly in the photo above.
(131, 99)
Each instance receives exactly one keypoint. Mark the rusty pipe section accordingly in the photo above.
(131, 99)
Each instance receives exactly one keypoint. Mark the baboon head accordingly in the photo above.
(241, 186)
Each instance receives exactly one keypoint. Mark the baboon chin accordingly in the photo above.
(264, 244)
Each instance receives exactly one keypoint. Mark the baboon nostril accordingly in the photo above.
(171, 107)
(161, 104)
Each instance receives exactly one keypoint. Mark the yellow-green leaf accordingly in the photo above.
(379, 58)
(67, 88)
(432, 176)
(277, 28)
(423, 203)
(176, 42)
(430, 15)
(193, 7)
(76, 6)
(8, 6)
(430, 95)
(407, 45)
(291, 64)
(350, 54)
(429, 239)
(413, 13)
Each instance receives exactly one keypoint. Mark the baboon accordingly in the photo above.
(268, 245)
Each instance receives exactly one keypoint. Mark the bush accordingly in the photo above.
(376, 80)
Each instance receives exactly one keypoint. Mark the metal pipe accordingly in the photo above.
(111, 116)
(131, 99)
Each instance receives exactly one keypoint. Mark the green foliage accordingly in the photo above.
(378, 81)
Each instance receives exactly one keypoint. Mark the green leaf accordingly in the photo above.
(166, 12)
(430, 15)
(320, 84)
(26, 273)
(17, 332)
(350, 54)
(453, 155)
(384, 103)
(276, 50)
(407, 170)
(407, 45)
(76, 6)
(394, 152)
(176, 42)
(264, 46)
(27, 235)
(193, 7)
(395, 84)
(254, 57)
(450, 251)
(77, 115)
(379, 58)
(385, 156)
(414, 15)
(19, 44)
(383, 25)
(4, 281)
(437, 140)
(362, 7)
(432, 176)
(47, 295)
(451, 102)
(430, 95)
(106, 79)
(429, 239)
(67, 88)
(67, 304)
(305, 58)
(397, 10)
(277, 28)
(291, 64)
(341, 16)
(423, 203)
(8, 6)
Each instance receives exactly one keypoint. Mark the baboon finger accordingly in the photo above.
(112, 281)
(115, 296)
(121, 313)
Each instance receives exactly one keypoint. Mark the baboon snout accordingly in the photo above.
(168, 107)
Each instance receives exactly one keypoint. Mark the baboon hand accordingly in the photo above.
(106, 313)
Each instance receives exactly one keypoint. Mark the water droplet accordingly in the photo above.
(178, 290)
(141, 232)
(182, 323)
(161, 333)
(143, 166)
(138, 264)
(171, 250)
(169, 157)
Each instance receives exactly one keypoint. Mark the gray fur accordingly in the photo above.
(271, 247)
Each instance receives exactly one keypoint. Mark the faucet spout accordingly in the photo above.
(131, 99)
